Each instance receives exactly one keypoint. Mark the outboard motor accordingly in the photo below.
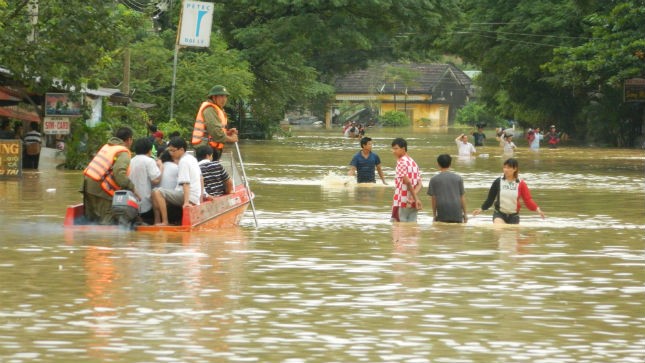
(125, 208)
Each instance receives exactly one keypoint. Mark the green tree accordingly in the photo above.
(509, 41)
(296, 47)
(66, 44)
(597, 69)
(474, 113)
(553, 61)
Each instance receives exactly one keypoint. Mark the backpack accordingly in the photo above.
(33, 148)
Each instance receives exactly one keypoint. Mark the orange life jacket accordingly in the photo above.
(100, 168)
(199, 130)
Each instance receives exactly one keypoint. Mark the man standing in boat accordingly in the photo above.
(211, 122)
(365, 163)
(105, 174)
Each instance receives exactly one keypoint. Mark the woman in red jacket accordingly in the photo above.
(505, 194)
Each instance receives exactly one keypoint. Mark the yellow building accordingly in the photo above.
(430, 94)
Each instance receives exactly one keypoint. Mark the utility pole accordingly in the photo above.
(32, 9)
(125, 88)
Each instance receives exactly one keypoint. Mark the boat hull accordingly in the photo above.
(219, 212)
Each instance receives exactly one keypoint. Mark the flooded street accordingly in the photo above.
(327, 278)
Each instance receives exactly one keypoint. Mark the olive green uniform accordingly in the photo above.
(98, 204)
(213, 126)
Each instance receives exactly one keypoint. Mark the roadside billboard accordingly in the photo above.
(60, 104)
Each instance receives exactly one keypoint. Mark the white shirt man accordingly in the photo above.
(465, 148)
(189, 184)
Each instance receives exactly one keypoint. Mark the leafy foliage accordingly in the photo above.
(551, 62)
(72, 40)
(395, 119)
(295, 48)
(474, 113)
(615, 50)
(84, 141)
(596, 70)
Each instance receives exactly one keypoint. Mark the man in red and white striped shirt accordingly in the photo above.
(407, 184)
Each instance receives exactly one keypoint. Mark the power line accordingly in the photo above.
(532, 35)
(510, 39)
(145, 5)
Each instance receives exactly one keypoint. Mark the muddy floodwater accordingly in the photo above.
(325, 277)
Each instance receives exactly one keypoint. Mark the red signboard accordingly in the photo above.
(56, 126)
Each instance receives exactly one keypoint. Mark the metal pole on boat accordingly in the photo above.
(246, 183)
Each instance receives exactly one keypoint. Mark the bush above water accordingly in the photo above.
(394, 119)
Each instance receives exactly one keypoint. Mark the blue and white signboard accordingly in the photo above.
(196, 22)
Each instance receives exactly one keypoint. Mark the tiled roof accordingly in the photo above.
(374, 79)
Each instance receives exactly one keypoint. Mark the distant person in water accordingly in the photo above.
(534, 137)
(465, 148)
(552, 137)
(479, 137)
(509, 145)
(505, 194)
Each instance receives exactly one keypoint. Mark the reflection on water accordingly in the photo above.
(326, 277)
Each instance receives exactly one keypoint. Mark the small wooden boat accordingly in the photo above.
(219, 212)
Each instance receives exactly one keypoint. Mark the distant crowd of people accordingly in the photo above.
(353, 130)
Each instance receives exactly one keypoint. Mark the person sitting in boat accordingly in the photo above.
(144, 173)
(216, 179)
(169, 172)
(169, 175)
(189, 184)
(105, 174)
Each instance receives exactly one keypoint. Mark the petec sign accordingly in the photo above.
(10, 158)
(196, 24)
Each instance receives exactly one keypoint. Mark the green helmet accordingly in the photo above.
(218, 90)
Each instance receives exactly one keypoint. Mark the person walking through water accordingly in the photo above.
(33, 144)
(365, 163)
(479, 136)
(509, 145)
(211, 122)
(552, 137)
(534, 137)
(447, 193)
(407, 184)
(505, 194)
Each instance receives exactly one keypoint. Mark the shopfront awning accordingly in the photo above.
(8, 97)
(17, 113)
